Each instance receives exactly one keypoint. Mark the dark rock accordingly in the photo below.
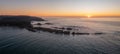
(49, 23)
(98, 33)
(81, 33)
(18, 20)
(39, 24)
(69, 28)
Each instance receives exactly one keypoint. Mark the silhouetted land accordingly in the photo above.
(18, 20)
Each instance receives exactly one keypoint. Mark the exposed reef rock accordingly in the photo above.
(69, 30)
(35, 24)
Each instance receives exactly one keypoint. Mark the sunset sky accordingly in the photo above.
(60, 7)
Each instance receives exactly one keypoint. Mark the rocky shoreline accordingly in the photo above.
(69, 30)
(35, 24)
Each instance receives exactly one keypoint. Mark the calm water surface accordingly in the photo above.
(15, 40)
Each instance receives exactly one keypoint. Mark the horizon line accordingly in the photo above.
(61, 16)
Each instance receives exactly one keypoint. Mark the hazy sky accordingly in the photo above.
(60, 7)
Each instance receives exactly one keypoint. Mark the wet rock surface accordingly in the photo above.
(68, 30)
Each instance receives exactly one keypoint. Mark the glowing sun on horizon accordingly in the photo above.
(88, 16)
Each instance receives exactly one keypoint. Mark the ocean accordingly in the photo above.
(14, 40)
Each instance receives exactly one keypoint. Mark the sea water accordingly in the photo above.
(14, 40)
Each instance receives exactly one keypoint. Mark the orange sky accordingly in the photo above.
(57, 13)
(60, 7)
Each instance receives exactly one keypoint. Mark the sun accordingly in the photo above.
(88, 16)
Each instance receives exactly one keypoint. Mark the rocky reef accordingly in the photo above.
(68, 30)
(35, 24)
